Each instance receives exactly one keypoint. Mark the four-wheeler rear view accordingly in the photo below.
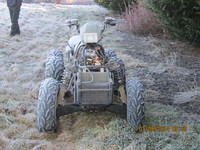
(91, 79)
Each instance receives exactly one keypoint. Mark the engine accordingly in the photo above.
(93, 55)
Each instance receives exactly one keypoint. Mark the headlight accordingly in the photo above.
(90, 38)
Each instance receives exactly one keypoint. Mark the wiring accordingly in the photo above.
(84, 67)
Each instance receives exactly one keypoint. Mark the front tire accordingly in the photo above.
(47, 104)
(56, 53)
(54, 67)
(135, 103)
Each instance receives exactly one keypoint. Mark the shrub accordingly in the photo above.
(179, 17)
(141, 21)
(117, 6)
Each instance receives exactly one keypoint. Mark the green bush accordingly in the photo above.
(181, 18)
(117, 6)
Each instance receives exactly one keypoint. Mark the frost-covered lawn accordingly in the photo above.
(22, 61)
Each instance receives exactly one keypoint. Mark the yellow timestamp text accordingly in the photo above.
(163, 129)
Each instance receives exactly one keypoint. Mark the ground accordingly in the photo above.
(173, 68)
(168, 69)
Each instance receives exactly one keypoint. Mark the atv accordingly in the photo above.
(91, 79)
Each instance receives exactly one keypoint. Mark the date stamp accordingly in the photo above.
(163, 129)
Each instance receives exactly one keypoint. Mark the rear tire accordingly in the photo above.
(119, 74)
(135, 103)
(110, 53)
(56, 53)
(47, 104)
(54, 67)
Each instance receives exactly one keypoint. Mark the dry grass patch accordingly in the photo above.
(32, 144)
(6, 121)
(27, 120)
(14, 131)
(190, 96)
(158, 48)
(130, 62)
(4, 143)
(151, 94)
